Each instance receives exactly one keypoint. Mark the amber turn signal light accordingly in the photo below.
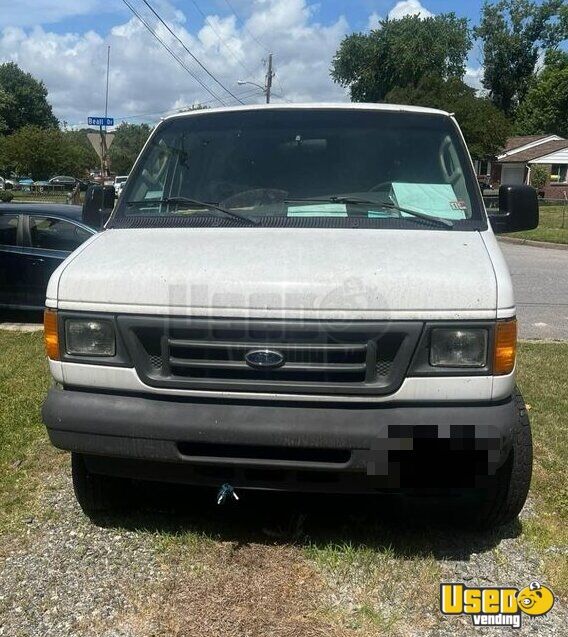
(505, 347)
(51, 335)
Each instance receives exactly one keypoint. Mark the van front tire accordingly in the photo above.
(505, 497)
(98, 494)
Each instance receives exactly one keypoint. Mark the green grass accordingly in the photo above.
(543, 379)
(550, 226)
(24, 451)
(39, 197)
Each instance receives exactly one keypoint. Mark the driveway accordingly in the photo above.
(540, 279)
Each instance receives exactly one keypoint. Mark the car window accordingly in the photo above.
(9, 230)
(56, 234)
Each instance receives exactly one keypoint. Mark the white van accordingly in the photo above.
(119, 182)
(303, 297)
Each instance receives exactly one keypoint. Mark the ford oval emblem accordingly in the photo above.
(264, 358)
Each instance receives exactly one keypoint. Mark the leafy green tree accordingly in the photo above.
(484, 126)
(6, 103)
(545, 108)
(33, 151)
(41, 153)
(512, 33)
(128, 142)
(80, 155)
(23, 100)
(400, 53)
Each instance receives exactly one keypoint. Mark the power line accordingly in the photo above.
(221, 40)
(247, 30)
(245, 95)
(178, 60)
(253, 37)
(190, 53)
(245, 26)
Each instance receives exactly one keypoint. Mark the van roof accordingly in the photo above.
(349, 106)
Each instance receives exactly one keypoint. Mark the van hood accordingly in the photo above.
(282, 273)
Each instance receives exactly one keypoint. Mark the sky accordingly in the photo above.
(64, 43)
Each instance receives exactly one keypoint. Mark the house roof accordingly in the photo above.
(535, 152)
(518, 141)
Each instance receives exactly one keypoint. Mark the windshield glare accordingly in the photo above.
(295, 163)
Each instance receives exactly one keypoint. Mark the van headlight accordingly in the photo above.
(458, 347)
(89, 337)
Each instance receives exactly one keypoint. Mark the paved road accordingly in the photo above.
(540, 279)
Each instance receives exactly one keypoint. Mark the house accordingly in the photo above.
(514, 164)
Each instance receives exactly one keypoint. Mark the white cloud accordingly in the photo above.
(473, 77)
(408, 7)
(146, 80)
(32, 12)
(373, 22)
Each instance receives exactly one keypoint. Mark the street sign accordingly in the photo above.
(100, 143)
(100, 121)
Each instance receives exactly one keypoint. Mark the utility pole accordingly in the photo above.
(104, 159)
(269, 76)
(267, 88)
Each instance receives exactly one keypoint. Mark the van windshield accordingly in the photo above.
(316, 163)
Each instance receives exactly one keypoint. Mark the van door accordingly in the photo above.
(50, 241)
(12, 286)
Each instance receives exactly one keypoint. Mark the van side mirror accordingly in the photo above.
(98, 204)
(518, 209)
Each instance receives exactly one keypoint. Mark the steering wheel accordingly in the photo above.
(255, 197)
(381, 186)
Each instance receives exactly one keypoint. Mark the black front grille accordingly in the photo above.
(342, 357)
(307, 361)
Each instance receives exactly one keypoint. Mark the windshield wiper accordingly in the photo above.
(196, 203)
(383, 204)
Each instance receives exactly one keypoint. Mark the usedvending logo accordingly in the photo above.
(496, 606)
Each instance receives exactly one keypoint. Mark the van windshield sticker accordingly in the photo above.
(439, 200)
(318, 210)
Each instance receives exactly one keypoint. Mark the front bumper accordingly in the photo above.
(292, 446)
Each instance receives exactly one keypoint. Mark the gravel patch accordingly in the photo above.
(69, 577)
(234, 573)
(399, 579)
(511, 563)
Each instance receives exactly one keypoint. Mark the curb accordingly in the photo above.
(21, 327)
(537, 244)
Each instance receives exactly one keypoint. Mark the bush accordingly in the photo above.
(6, 196)
(539, 176)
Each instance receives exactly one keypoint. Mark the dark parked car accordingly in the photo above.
(34, 240)
(64, 181)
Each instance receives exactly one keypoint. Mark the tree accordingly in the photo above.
(33, 151)
(512, 33)
(128, 142)
(400, 53)
(545, 108)
(6, 103)
(539, 176)
(23, 100)
(484, 127)
(41, 153)
(81, 156)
